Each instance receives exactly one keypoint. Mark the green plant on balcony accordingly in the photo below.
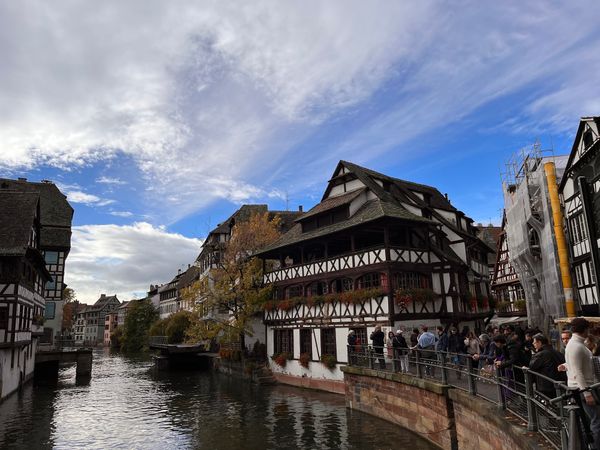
(38, 320)
(502, 306)
(329, 361)
(304, 360)
(281, 359)
(520, 305)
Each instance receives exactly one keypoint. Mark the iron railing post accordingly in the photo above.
(442, 359)
(417, 362)
(471, 376)
(564, 437)
(395, 360)
(532, 419)
(371, 358)
(501, 398)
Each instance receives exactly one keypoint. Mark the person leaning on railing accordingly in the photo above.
(545, 361)
(401, 350)
(378, 337)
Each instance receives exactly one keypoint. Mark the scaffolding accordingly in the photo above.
(529, 232)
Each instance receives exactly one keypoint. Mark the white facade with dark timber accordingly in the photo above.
(580, 190)
(56, 215)
(22, 278)
(376, 250)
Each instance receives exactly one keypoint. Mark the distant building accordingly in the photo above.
(54, 242)
(97, 315)
(169, 301)
(110, 325)
(23, 274)
(506, 287)
(580, 189)
(79, 328)
(122, 312)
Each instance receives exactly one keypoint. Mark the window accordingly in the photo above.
(370, 280)
(317, 288)
(410, 280)
(49, 313)
(578, 228)
(51, 285)
(342, 285)
(283, 341)
(328, 346)
(306, 341)
(51, 257)
(4, 318)
(293, 291)
(361, 336)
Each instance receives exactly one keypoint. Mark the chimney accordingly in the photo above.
(189, 266)
(102, 295)
(300, 209)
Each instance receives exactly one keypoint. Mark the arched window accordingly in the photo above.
(293, 291)
(342, 285)
(317, 288)
(370, 280)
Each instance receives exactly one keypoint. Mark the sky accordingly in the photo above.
(159, 119)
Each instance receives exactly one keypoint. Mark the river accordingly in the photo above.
(127, 405)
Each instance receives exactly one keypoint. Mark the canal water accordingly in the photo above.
(128, 405)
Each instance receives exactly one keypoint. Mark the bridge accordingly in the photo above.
(49, 360)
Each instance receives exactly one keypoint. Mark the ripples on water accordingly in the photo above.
(128, 405)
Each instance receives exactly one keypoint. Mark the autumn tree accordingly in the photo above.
(236, 283)
(69, 308)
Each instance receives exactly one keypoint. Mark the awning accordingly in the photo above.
(506, 320)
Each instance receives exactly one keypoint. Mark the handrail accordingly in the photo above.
(514, 389)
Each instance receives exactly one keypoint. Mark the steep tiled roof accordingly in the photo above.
(17, 218)
(55, 212)
(331, 203)
(188, 277)
(368, 212)
(103, 300)
(436, 199)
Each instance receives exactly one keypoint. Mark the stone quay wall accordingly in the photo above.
(447, 417)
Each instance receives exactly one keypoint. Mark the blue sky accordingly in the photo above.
(158, 119)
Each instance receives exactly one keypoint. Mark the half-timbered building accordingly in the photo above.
(506, 288)
(23, 275)
(376, 250)
(580, 190)
(55, 243)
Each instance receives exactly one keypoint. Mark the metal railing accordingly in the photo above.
(513, 389)
(158, 340)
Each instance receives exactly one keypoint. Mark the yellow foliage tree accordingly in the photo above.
(237, 286)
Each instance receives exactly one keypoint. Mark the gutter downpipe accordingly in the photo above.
(559, 233)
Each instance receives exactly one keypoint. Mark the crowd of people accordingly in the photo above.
(571, 356)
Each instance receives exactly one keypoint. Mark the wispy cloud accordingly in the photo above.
(125, 259)
(217, 100)
(109, 180)
(121, 213)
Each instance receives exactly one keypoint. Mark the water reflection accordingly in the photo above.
(128, 405)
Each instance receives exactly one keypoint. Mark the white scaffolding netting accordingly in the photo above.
(530, 234)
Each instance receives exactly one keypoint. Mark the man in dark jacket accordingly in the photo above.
(352, 346)
(442, 342)
(514, 357)
(545, 361)
(400, 352)
(378, 338)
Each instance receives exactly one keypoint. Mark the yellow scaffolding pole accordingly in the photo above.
(561, 242)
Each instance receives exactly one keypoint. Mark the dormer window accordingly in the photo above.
(588, 139)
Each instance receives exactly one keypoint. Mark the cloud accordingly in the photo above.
(109, 180)
(121, 213)
(125, 259)
(75, 194)
(214, 100)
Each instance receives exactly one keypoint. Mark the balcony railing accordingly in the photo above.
(349, 261)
